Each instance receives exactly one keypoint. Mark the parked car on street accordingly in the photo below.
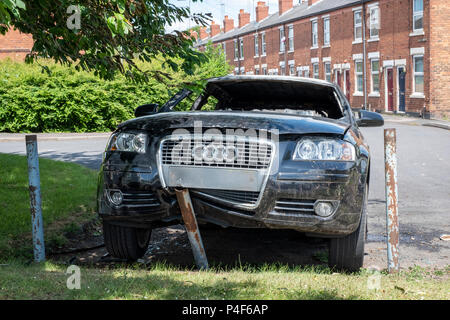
(274, 152)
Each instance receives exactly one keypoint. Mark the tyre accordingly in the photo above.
(347, 253)
(125, 242)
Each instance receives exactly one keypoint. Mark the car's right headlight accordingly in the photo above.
(316, 148)
(128, 142)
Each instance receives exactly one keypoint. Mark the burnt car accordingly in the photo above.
(254, 152)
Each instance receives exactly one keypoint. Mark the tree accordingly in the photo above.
(105, 36)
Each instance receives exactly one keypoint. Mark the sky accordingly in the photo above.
(214, 7)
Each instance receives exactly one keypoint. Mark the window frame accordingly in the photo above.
(325, 64)
(314, 34)
(282, 43)
(241, 48)
(326, 39)
(377, 35)
(418, 74)
(256, 43)
(291, 38)
(236, 50)
(263, 44)
(416, 14)
(357, 25)
(315, 75)
(372, 73)
(359, 74)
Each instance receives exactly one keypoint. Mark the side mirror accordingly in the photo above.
(369, 119)
(146, 110)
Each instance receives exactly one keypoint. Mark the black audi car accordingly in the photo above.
(254, 152)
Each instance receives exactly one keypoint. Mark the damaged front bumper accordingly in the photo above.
(286, 202)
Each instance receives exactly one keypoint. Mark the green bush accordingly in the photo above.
(67, 100)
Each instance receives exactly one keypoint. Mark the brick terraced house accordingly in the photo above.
(15, 45)
(387, 55)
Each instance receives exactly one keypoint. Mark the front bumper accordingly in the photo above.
(344, 184)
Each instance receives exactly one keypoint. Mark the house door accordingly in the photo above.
(401, 89)
(390, 89)
(347, 84)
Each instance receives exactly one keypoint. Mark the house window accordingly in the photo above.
(224, 49)
(374, 13)
(326, 31)
(316, 70)
(418, 78)
(256, 45)
(263, 44)
(264, 71)
(256, 71)
(418, 15)
(299, 73)
(315, 40)
(291, 70)
(283, 69)
(327, 66)
(359, 76)
(306, 73)
(358, 25)
(291, 38)
(236, 50)
(375, 70)
(241, 47)
(282, 47)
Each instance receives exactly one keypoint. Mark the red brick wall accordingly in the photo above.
(440, 58)
(15, 45)
(393, 46)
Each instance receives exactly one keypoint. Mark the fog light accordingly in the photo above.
(115, 197)
(324, 209)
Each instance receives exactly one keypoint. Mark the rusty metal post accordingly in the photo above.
(390, 160)
(190, 222)
(35, 198)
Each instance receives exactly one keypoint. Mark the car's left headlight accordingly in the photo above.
(128, 142)
(315, 148)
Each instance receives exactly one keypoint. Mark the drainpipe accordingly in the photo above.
(364, 53)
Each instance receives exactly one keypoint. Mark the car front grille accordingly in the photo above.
(294, 207)
(227, 152)
(140, 200)
(235, 197)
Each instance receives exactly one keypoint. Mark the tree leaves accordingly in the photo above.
(113, 35)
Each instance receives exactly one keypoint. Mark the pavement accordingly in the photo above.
(423, 184)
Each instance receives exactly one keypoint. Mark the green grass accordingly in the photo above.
(48, 281)
(68, 198)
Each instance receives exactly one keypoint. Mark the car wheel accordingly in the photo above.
(125, 242)
(347, 253)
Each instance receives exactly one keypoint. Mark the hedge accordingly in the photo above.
(67, 100)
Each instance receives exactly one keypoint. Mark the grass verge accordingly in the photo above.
(48, 281)
(68, 200)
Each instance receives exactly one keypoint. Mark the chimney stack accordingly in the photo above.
(228, 24)
(262, 11)
(285, 5)
(215, 29)
(194, 34)
(244, 18)
(203, 33)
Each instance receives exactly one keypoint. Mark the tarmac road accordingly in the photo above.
(424, 204)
